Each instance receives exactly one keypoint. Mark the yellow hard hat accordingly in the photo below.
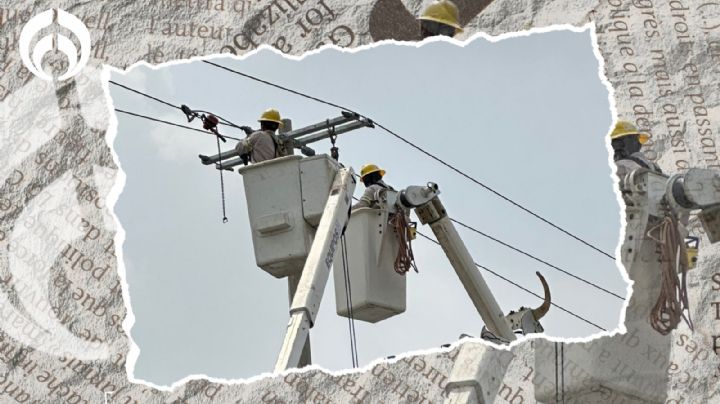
(271, 115)
(369, 169)
(444, 12)
(625, 128)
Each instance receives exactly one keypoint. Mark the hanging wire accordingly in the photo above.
(222, 183)
(348, 300)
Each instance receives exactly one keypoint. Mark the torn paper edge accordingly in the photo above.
(117, 188)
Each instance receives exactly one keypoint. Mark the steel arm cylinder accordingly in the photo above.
(433, 213)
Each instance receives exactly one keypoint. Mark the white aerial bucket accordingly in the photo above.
(286, 197)
(377, 291)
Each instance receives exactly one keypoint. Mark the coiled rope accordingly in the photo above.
(673, 299)
(405, 258)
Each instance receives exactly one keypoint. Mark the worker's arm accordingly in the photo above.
(368, 197)
(246, 145)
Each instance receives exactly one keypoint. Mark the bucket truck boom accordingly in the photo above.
(431, 211)
(316, 271)
(299, 209)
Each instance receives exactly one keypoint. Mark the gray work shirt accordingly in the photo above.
(370, 198)
(260, 145)
(627, 165)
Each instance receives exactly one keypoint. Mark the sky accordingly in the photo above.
(526, 116)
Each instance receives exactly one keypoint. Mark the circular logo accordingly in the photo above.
(64, 44)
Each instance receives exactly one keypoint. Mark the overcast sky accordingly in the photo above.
(526, 116)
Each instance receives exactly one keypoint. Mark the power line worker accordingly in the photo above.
(440, 18)
(398, 218)
(262, 145)
(626, 143)
(371, 175)
(664, 225)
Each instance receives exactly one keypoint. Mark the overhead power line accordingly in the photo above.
(455, 221)
(222, 121)
(523, 288)
(420, 233)
(144, 94)
(420, 149)
(170, 123)
(596, 286)
(515, 284)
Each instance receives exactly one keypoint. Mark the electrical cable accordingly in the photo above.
(455, 221)
(348, 300)
(523, 288)
(144, 94)
(222, 184)
(536, 258)
(217, 138)
(170, 123)
(340, 107)
(226, 122)
(420, 149)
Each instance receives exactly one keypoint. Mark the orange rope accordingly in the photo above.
(405, 258)
(673, 299)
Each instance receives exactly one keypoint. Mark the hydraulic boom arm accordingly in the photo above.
(316, 271)
(430, 211)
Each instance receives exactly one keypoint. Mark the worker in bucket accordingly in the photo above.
(262, 145)
(371, 175)
(440, 18)
(626, 142)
